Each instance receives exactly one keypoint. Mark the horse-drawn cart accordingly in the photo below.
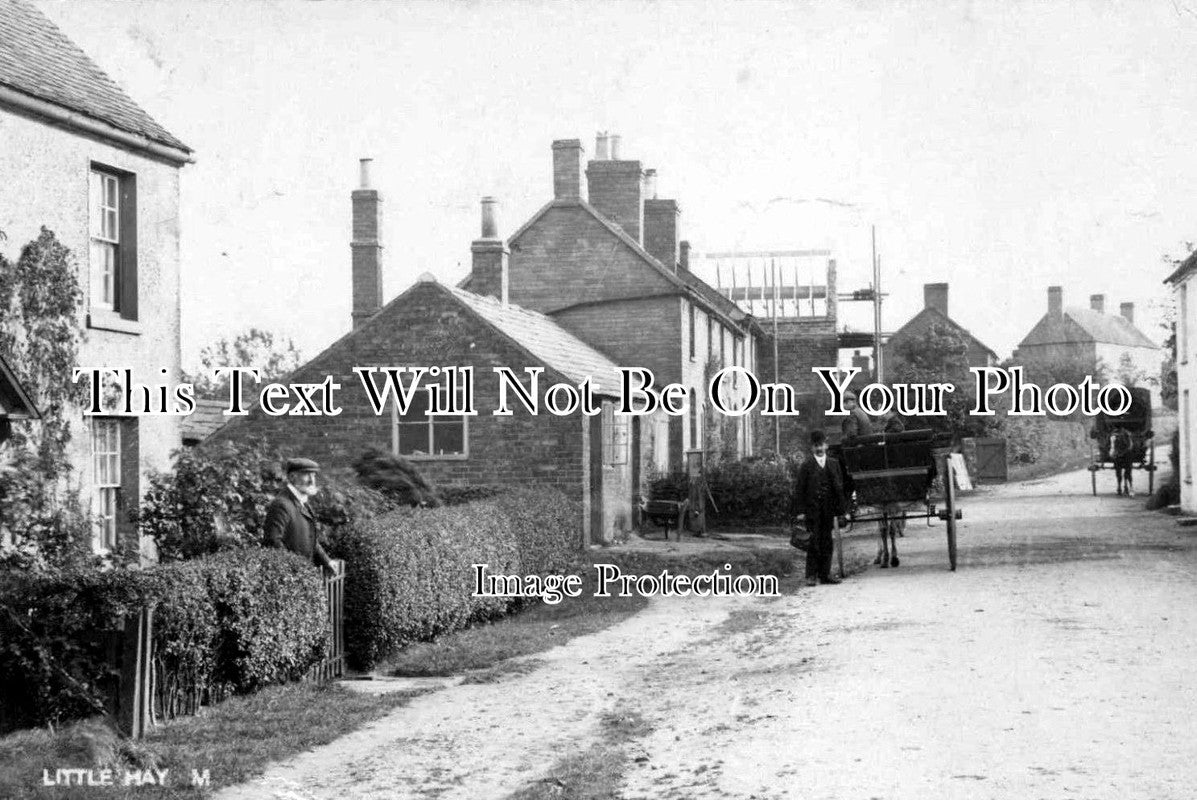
(889, 477)
(1141, 446)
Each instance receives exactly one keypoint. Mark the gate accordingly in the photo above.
(991, 460)
(333, 663)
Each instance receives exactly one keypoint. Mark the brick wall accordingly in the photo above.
(801, 345)
(616, 189)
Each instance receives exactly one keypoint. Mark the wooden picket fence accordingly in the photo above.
(148, 694)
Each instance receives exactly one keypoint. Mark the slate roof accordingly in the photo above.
(1086, 325)
(38, 60)
(546, 340)
(207, 417)
(1187, 267)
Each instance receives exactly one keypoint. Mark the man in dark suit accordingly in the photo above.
(289, 521)
(819, 496)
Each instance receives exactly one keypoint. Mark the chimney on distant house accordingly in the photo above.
(1097, 302)
(366, 247)
(683, 258)
(935, 295)
(1055, 300)
(489, 270)
(1128, 312)
(567, 169)
(616, 187)
(661, 228)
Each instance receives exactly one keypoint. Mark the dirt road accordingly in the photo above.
(1058, 661)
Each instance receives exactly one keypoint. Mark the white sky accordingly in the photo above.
(1002, 147)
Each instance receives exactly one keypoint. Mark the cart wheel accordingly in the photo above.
(1151, 472)
(950, 501)
(1093, 475)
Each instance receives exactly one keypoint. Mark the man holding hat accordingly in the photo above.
(289, 522)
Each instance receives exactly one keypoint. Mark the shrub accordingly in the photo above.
(216, 498)
(457, 495)
(235, 621)
(395, 477)
(751, 492)
(411, 574)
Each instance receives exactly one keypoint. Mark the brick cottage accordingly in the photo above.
(593, 459)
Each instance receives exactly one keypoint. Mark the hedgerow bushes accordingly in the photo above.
(410, 571)
(228, 622)
(216, 498)
(751, 492)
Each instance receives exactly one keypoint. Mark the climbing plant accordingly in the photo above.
(39, 337)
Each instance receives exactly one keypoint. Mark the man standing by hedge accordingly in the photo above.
(819, 496)
(289, 521)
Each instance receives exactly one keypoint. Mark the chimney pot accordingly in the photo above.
(684, 254)
(1097, 302)
(1128, 312)
(601, 146)
(650, 184)
(490, 224)
(615, 139)
(489, 269)
(364, 171)
(1055, 300)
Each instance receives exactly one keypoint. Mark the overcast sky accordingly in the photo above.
(1002, 147)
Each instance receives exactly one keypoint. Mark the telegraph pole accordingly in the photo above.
(877, 359)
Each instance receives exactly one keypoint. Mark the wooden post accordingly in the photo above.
(133, 707)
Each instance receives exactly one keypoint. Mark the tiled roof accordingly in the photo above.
(1086, 325)
(36, 59)
(207, 417)
(939, 316)
(545, 339)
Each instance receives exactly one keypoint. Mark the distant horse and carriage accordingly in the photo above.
(1125, 443)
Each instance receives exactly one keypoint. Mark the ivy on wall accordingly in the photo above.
(40, 336)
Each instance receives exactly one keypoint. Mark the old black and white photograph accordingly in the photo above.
(528, 400)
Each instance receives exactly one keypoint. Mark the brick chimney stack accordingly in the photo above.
(616, 187)
(490, 270)
(1128, 312)
(662, 237)
(1097, 302)
(366, 247)
(1055, 300)
(567, 169)
(935, 295)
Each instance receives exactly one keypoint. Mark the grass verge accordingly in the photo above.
(541, 626)
(597, 772)
(233, 742)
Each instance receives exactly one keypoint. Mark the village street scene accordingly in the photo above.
(604, 400)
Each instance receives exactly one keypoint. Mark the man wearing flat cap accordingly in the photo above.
(289, 521)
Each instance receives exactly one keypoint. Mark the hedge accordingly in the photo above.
(230, 622)
(409, 572)
(756, 492)
(215, 499)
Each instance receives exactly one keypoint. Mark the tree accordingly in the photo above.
(274, 358)
(940, 355)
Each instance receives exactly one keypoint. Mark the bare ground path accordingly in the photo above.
(1058, 661)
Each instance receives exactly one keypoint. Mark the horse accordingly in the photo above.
(1122, 452)
(890, 526)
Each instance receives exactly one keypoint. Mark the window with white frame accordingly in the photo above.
(106, 460)
(105, 212)
(422, 436)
